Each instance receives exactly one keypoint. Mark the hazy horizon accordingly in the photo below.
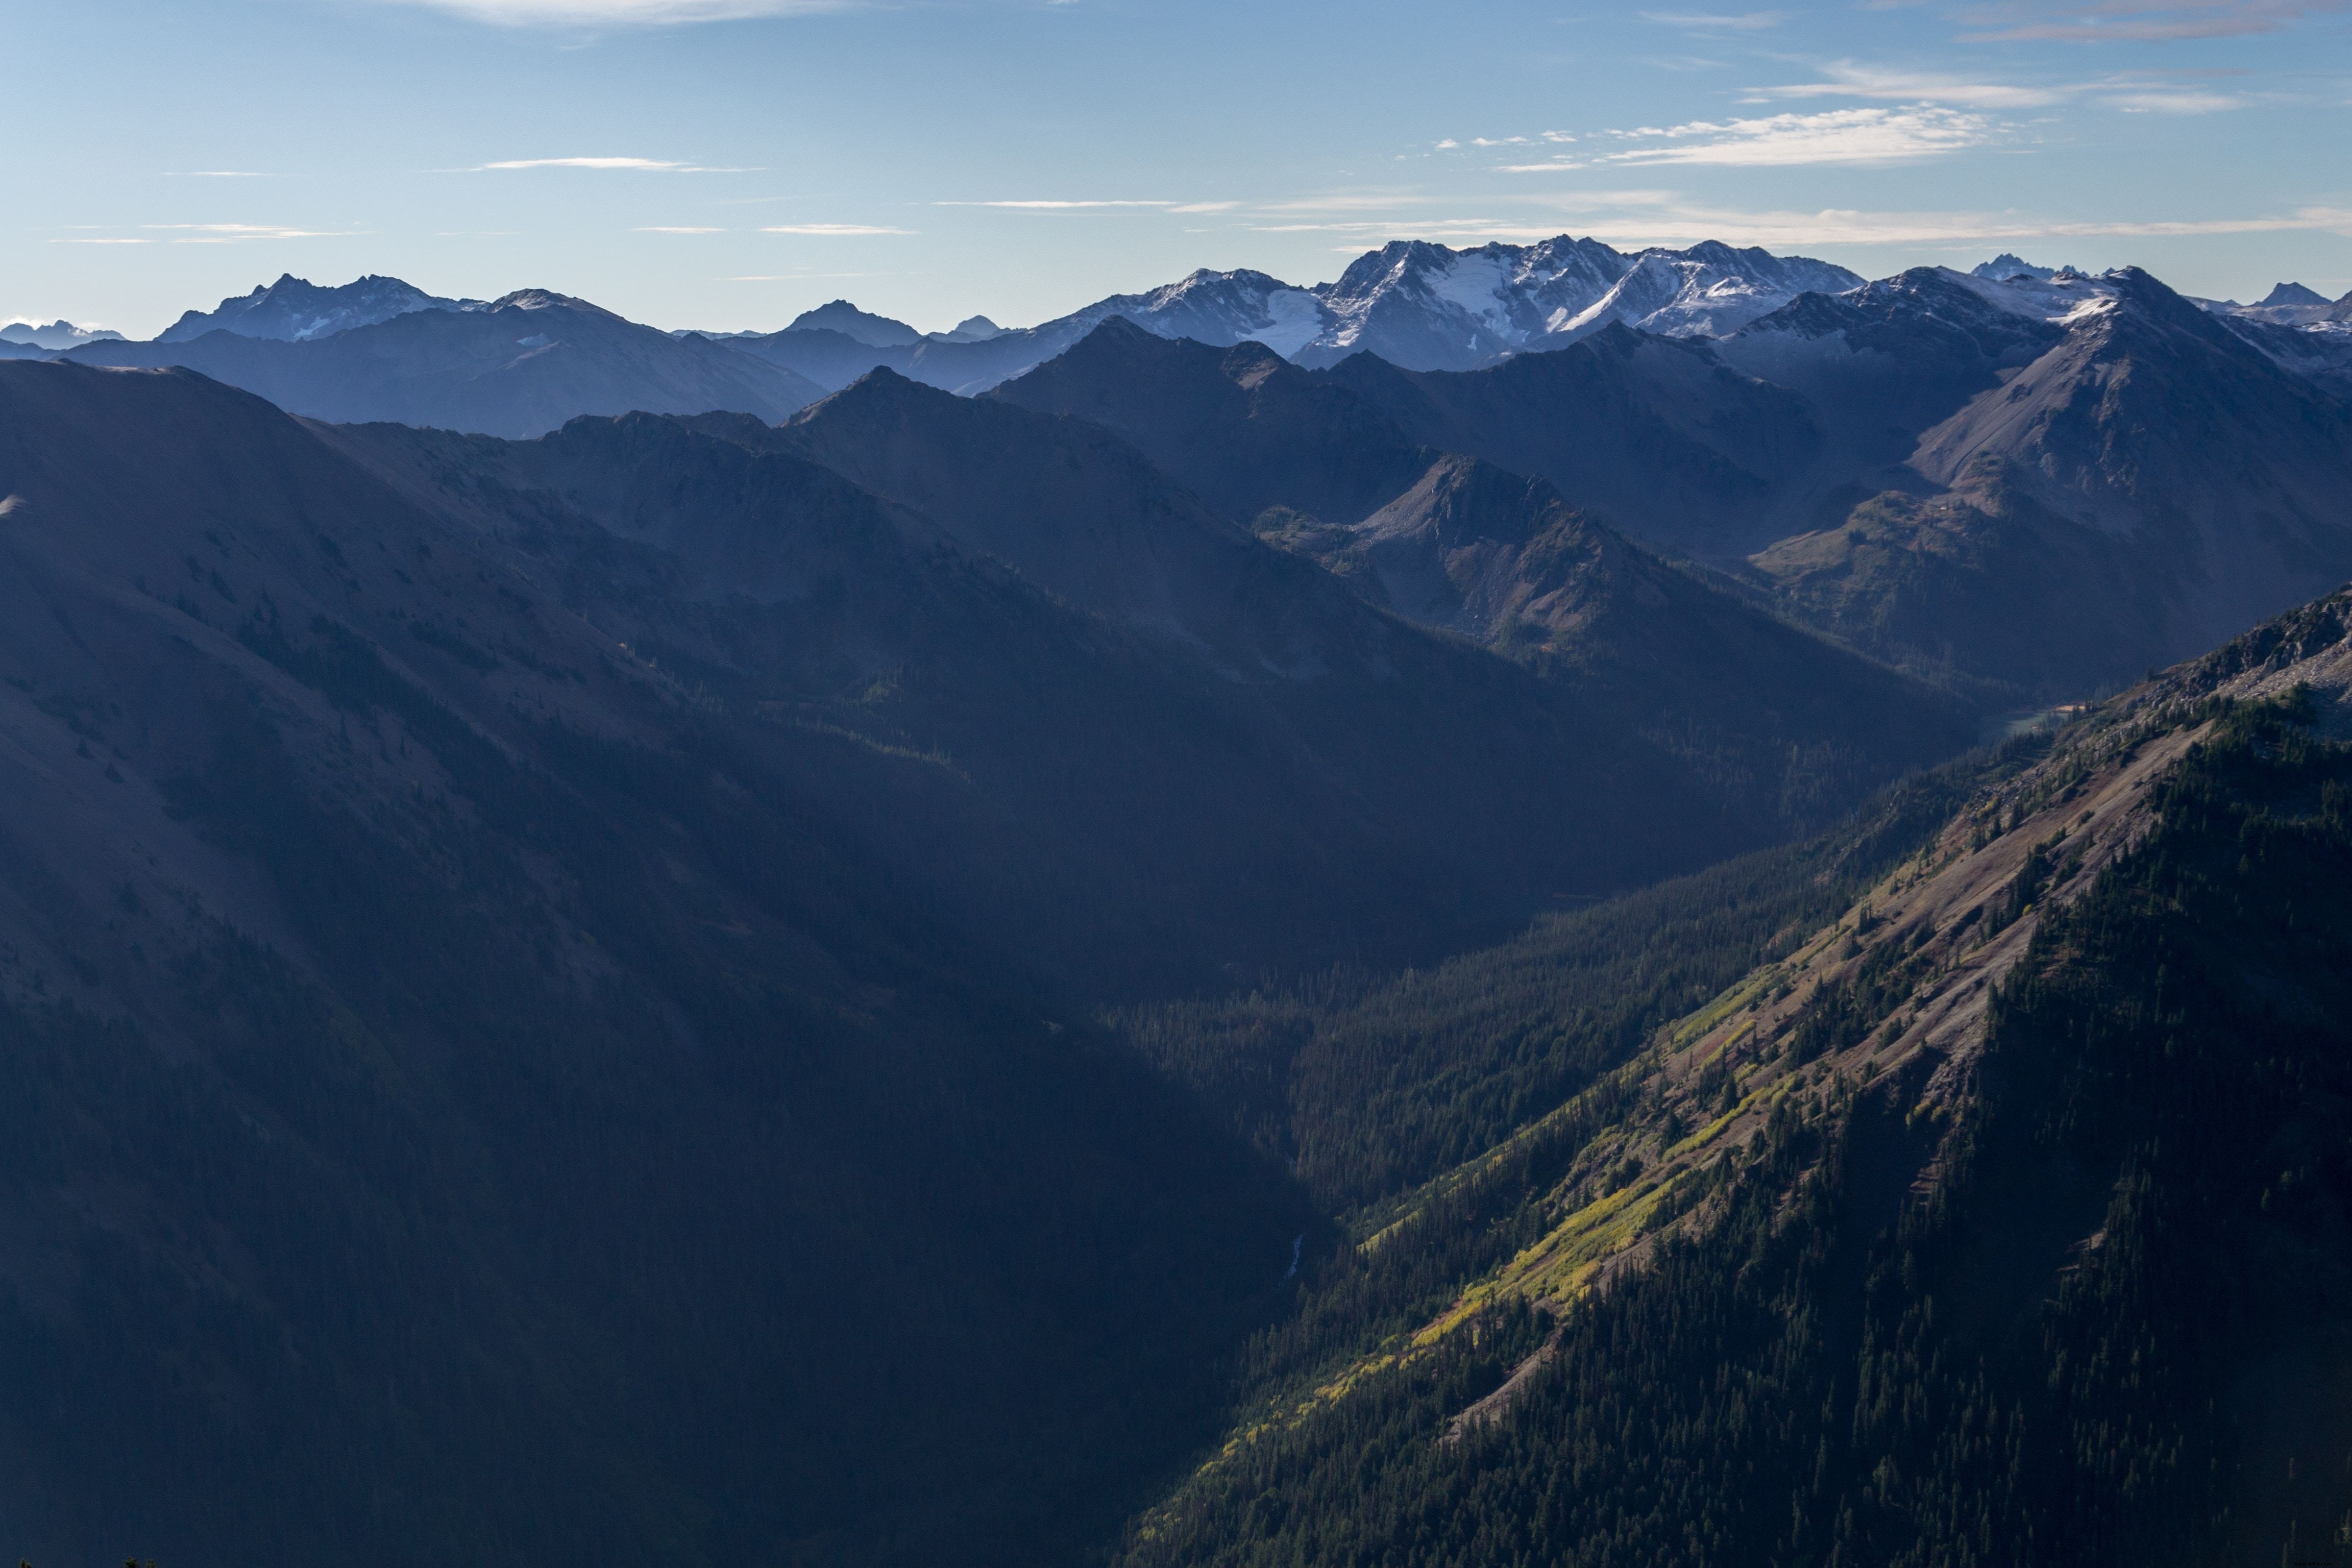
(729, 164)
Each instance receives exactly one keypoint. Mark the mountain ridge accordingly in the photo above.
(1955, 1085)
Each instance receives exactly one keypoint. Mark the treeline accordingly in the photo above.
(1366, 1087)
(2102, 1334)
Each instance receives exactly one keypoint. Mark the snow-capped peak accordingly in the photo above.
(57, 334)
(296, 309)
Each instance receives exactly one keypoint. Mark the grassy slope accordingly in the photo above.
(1910, 1237)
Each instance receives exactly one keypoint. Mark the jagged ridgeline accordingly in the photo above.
(2000, 1219)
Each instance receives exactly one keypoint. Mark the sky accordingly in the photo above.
(728, 163)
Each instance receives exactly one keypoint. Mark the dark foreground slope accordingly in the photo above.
(1145, 750)
(459, 1101)
(2003, 1219)
(543, 985)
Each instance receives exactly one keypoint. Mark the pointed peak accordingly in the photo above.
(2290, 294)
(861, 326)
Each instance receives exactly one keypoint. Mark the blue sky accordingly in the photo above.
(731, 163)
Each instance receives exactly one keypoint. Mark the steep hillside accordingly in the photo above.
(463, 1094)
(1880, 364)
(2101, 478)
(1242, 427)
(1455, 542)
(1068, 765)
(519, 366)
(1995, 1220)
(1652, 434)
(1773, 722)
(1655, 434)
(1125, 692)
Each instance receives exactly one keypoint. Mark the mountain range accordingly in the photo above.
(1546, 905)
(1413, 304)
(2013, 486)
(20, 336)
(294, 310)
(1924, 467)
(518, 365)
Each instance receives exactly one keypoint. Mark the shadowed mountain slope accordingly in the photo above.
(544, 982)
(1243, 428)
(1458, 546)
(463, 1093)
(2145, 485)
(1121, 690)
(1455, 542)
(1652, 434)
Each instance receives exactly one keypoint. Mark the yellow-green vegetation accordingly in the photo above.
(1723, 1006)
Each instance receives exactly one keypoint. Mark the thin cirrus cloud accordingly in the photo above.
(626, 165)
(1443, 231)
(215, 234)
(832, 230)
(1848, 79)
(2164, 100)
(621, 12)
(1658, 218)
(1105, 204)
(1742, 22)
(1847, 136)
(1056, 205)
(2138, 21)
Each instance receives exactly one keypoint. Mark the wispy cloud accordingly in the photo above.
(622, 12)
(1442, 231)
(1042, 207)
(836, 229)
(1743, 22)
(1852, 136)
(1361, 201)
(2162, 100)
(638, 165)
(1552, 138)
(1654, 218)
(2139, 21)
(2136, 93)
(1848, 79)
(242, 232)
(93, 239)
